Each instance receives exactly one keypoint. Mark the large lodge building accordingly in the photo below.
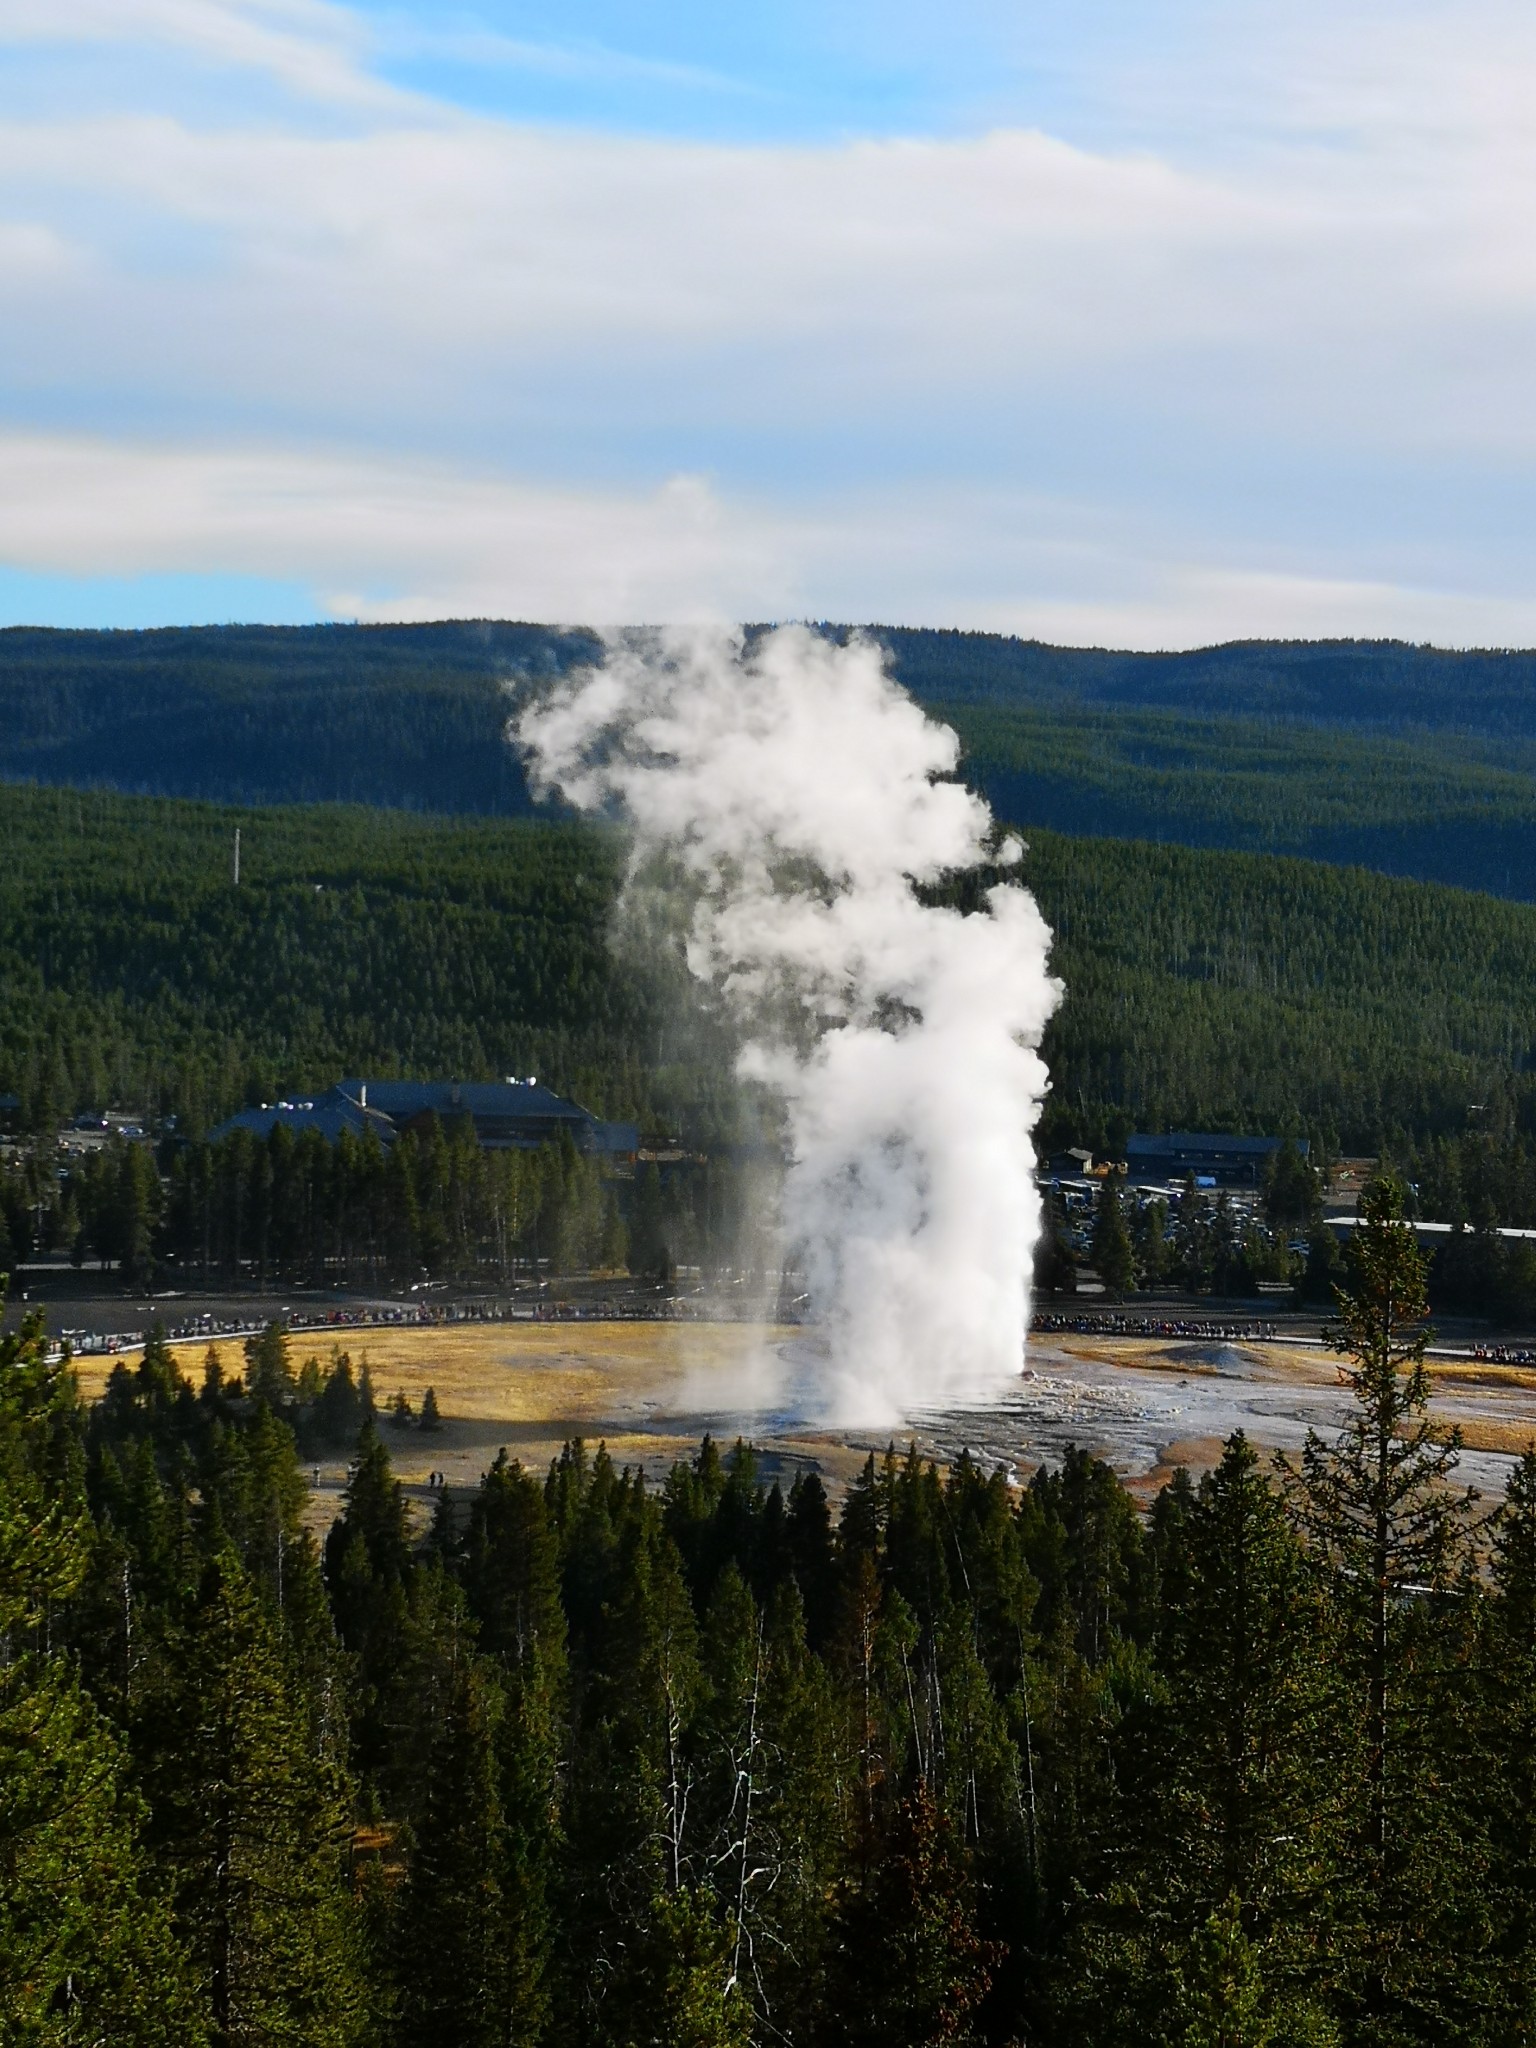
(505, 1115)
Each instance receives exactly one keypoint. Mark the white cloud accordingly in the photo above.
(32, 252)
(432, 270)
(313, 49)
(385, 539)
(537, 233)
(1207, 350)
(377, 539)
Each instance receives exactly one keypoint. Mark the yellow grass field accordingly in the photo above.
(649, 1390)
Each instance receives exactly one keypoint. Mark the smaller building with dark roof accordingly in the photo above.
(1208, 1155)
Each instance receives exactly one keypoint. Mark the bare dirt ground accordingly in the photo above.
(650, 1390)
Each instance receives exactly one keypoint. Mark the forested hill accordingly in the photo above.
(1410, 760)
(1389, 684)
(70, 699)
(405, 716)
(1212, 990)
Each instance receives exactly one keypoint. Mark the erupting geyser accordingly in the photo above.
(790, 791)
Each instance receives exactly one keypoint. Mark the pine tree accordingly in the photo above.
(1248, 1822)
(679, 1990)
(86, 1948)
(159, 1377)
(1386, 1524)
(812, 1558)
(268, 1372)
(908, 1969)
(1507, 1791)
(1222, 1996)
(1112, 1255)
(453, 1922)
(1324, 1269)
(1055, 1267)
(339, 1408)
(512, 1579)
(251, 1825)
(633, 1773)
(1292, 1197)
(368, 1569)
(730, 1738)
(213, 1377)
(799, 1822)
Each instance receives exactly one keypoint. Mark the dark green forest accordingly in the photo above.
(1453, 808)
(1412, 760)
(434, 1205)
(135, 972)
(1205, 989)
(591, 1762)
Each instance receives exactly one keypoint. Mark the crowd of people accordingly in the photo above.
(623, 1307)
(1109, 1324)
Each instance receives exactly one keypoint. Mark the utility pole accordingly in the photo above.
(237, 856)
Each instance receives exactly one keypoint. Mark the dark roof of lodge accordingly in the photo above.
(517, 1114)
(329, 1114)
(1173, 1144)
(400, 1101)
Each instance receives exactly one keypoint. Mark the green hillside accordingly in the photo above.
(1205, 988)
(1410, 760)
(133, 970)
(1444, 807)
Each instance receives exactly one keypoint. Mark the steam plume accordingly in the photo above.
(790, 790)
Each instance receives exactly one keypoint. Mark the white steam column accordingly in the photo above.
(791, 790)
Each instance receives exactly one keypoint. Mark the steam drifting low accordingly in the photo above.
(789, 790)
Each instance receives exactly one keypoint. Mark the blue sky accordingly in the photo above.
(1141, 326)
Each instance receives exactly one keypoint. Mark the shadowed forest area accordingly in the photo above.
(1411, 760)
(591, 1761)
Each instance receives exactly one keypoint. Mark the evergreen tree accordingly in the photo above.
(339, 1407)
(1112, 1255)
(512, 1578)
(86, 1949)
(798, 1825)
(1388, 1527)
(268, 1371)
(453, 1957)
(1507, 1759)
(1222, 1996)
(1292, 1197)
(1149, 1241)
(369, 1565)
(679, 1990)
(1245, 1851)
(251, 1826)
(1055, 1269)
(908, 1969)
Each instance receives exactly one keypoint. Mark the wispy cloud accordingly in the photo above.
(397, 539)
(377, 538)
(585, 62)
(313, 49)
